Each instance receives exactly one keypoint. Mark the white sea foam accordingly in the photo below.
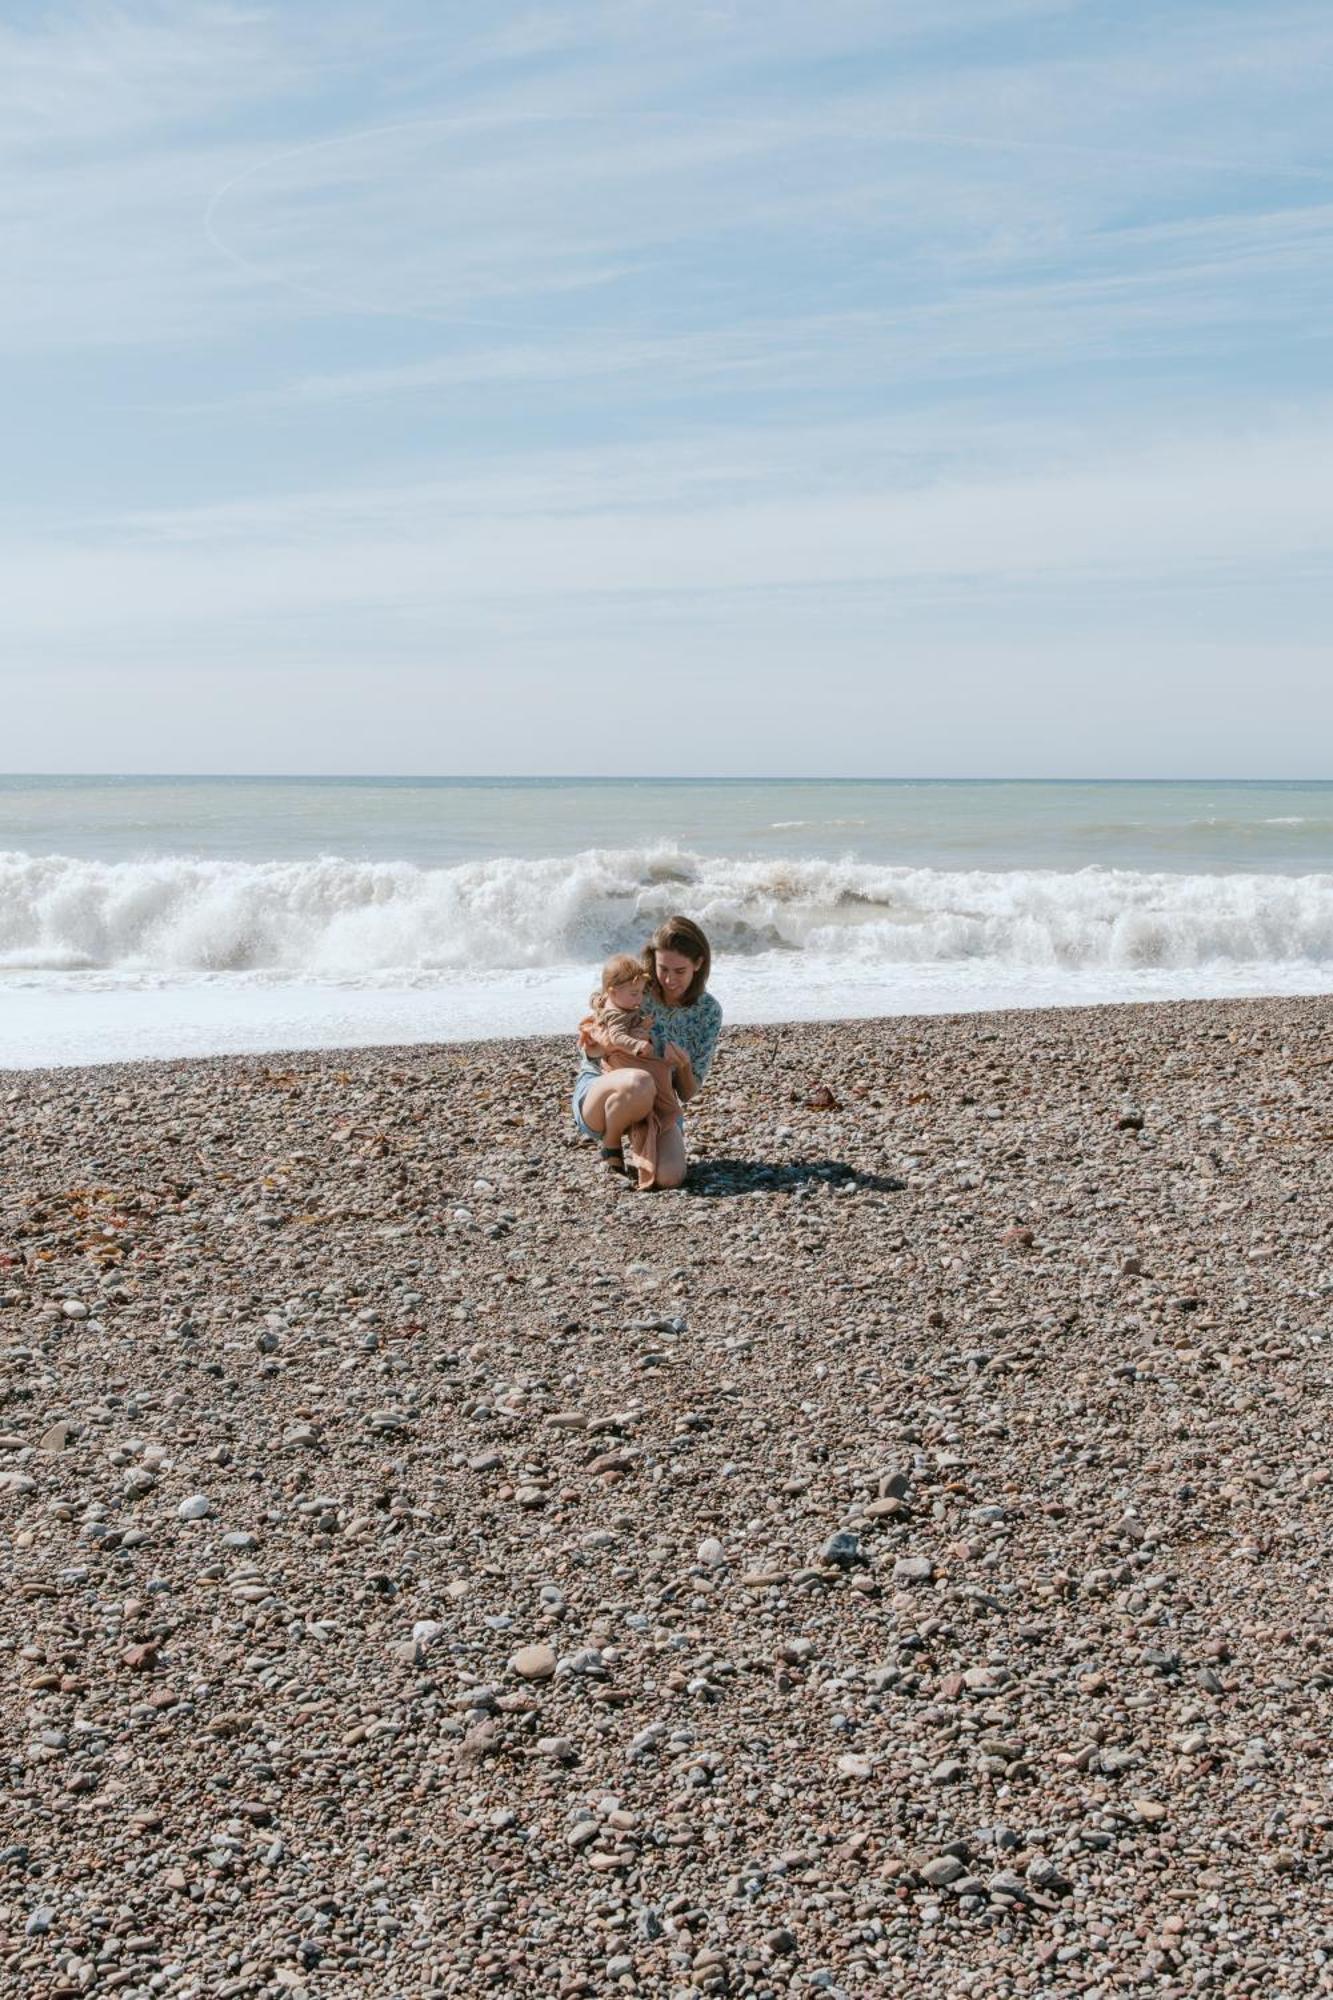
(784, 825)
(58, 1018)
(366, 922)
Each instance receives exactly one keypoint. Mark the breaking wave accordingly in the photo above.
(351, 920)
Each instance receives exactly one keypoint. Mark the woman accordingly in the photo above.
(686, 1020)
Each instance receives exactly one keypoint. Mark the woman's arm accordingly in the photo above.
(687, 1083)
(703, 1040)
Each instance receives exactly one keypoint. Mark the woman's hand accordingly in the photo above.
(683, 1069)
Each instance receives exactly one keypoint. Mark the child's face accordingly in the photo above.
(628, 996)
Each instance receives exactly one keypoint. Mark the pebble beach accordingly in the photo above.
(896, 1563)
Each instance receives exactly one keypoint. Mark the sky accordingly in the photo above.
(713, 387)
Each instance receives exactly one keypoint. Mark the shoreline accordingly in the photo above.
(119, 1019)
(895, 1557)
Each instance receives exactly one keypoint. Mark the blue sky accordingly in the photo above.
(861, 388)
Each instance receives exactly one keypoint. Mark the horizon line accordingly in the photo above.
(657, 778)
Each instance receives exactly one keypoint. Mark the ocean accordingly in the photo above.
(166, 916)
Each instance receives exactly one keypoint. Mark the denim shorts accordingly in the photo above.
(582, 1081)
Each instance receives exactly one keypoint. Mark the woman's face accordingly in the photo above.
(674, 973)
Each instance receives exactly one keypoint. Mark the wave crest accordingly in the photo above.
(343, 919)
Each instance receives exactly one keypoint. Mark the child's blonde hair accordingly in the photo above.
(622, 969)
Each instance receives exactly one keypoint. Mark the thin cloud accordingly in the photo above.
(1244, 503)
(607, 177)
(428, 331)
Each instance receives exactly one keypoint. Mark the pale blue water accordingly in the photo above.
(1194, 827)
(162, 915)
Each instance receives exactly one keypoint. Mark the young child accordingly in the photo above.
(616, 1034)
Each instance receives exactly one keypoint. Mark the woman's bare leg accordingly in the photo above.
(670, 1157)
(619, 1099)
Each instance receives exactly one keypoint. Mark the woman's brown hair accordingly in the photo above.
(680, 934)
